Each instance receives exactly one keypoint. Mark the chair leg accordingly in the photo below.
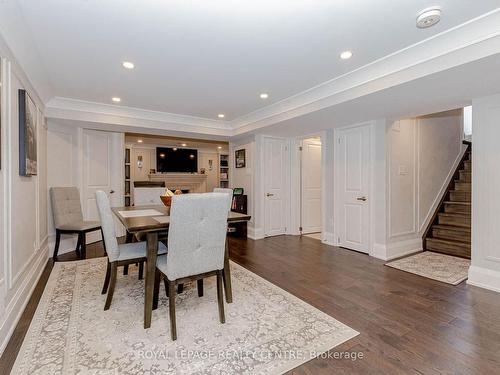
(199, 284)
(83, 245)
(78, 245)
(112, 283)
(141, 270)
(165, 282)
(156, 288)
(226, 274)
(125, 270)
(220, 297)
(56, 247)
(103, 243)
(171, 308)
(106, 279)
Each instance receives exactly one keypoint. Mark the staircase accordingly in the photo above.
(450, 229)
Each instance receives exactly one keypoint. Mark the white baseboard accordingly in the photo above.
(396, 249)
(16, 307)
(329, 239)
(255, 234)
(484, 278)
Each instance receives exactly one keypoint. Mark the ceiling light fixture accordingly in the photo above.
(264, 95)
(428, 17)
(346, 55)
(219, 147)
(116, 99)
(128, 65)
(221, 115)
(183, 144)
(139, 141)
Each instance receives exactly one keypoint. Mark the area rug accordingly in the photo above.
(267, 330)
(440, 267)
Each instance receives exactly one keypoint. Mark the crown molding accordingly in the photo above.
(85, 111)
(465, 43)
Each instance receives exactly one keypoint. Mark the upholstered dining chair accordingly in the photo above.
(118, 254)
(196, 239)
(68, 218)
(145, 196)
(226, 276)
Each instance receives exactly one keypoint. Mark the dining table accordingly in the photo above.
(155, 219)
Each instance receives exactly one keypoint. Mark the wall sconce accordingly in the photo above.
(210, 164)
(139, 162)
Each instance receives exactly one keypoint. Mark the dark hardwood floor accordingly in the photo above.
(407, 324)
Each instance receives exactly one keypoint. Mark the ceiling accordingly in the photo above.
(201, 58)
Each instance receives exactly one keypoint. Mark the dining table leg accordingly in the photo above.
(226, 275)
(152, 251)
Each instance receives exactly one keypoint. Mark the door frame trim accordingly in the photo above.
(336, 188)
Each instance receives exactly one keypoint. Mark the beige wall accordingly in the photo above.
(421, 157)
(212, 174)
(244, 177)
(23, 203)
(485, 267)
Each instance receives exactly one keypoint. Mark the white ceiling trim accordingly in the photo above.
(470, 41)
(80, 110)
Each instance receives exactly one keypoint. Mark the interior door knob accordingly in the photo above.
(111, 191)
(361, 199)
(269, 195)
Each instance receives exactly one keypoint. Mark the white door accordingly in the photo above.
(353, 163)
(103, 164)
(311, 186)
(275, 172)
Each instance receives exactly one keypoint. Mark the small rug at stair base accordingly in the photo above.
(267, 330)
(440, 267)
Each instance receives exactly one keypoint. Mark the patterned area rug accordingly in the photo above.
(440, 267)
(267, 330)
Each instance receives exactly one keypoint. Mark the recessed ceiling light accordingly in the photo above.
(264, 95)
(221, 115)
(219, 147)
(128, 65)
(183, 144)
(428, 17)
(139, 141)
(116, 99)
(346, 55)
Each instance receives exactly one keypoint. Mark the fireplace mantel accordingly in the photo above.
(194, 182)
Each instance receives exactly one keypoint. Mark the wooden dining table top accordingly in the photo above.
(149, 224)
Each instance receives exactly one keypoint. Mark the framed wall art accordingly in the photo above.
(27, 135)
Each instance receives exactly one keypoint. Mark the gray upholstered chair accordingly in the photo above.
(118, 255)
(196, 239)
(68, 218)
(227, 272)
(144, 196)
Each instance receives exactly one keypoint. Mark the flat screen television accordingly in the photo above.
(176, 160)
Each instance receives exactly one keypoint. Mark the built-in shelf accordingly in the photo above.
(126, 189)
(224, 170)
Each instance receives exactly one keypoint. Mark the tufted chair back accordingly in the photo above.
(66, 206)
(226, 191)
(197, 234)
(144, 196)
(107, 225)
